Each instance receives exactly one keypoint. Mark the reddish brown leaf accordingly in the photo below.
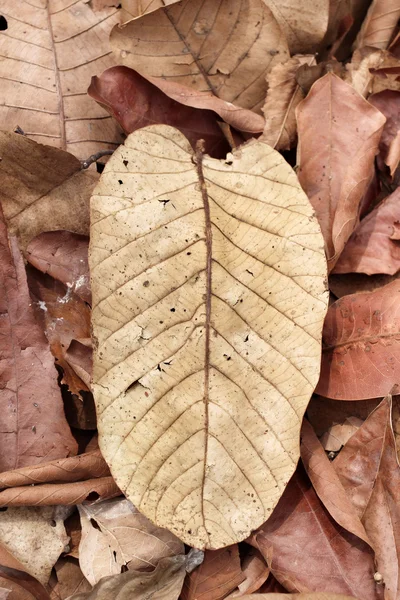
(24, 585)
(323, 412)
(135, 102)
(218, 575)
(308, 551)
(256, 572)
(64, 256)
(368, 469)
(79, 357)
(374, 248)
(351, 283)
(339, 134)
(32, 421)
(51, 494)
(361, 345)
(388, 102)
(70, 578)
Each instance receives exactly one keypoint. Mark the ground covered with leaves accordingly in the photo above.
(163, 296)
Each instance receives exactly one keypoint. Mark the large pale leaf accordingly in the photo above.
(135, 8)
(208, 300)
(49, 51)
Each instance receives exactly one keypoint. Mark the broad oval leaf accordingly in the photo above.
(208, 282)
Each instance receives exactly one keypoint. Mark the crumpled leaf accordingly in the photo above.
(184, 316)
(339, 134)
(218, 575)
(379, 24)
(135, 102)
(225, 48)
(42, 188)
(33, 424)
(284, 94)
(255, 571)
(35, 536)
(374, 245)
(307, 550)
(116, 535)
(66, 494)
(64, 256)
(359, 70)
(49, 51)
(305, 27)
(370, 473)
(361, 345)
(386, 74)
(388, 102)
(164, 583)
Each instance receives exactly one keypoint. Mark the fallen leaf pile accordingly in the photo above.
(199, 300)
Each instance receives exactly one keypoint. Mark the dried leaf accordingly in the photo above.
(308, 551)
(306, 596)
(388, 102)
(323, 412)
(379, 24)
(361, 345)
(33, 424)
(226, 48)
(35, 536)
(21, 584)
(136, 8)
(359, 71)
(369, 471)
(79, 356)
(339, 434)
(70, 578)
(304, 29)
(84, 466)
(373, 247)
(135, 102)
(116, 535)
(51, 494)
(193, 420)
(164, 583)
(284, 94)
(255, 571)
(343, 285)
(386, 75)
(43, 189)
(218, 575)
(64, 256)
(48, 52)
(339, 134)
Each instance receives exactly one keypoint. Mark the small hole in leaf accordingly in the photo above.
(115, 555)
(92, 496)
(94, 524)
(53, 523)
(3, 23)
(3, 508)
(120, 181)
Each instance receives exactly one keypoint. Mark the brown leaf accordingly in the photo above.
(369, 471)
(43, 188)
(306, 596)
(76, 468)
(135, 8)
(307, 550)
(255, 570)
(135, 102)
(337, 435)
(164, 583)
(339, 134)
(379, 24)
(33, 424)
(284, 94)
(64, 256)
(232, 36)
(323, 412)
(49, 51)
(13, 575)
(359, 71)
(116, 535)
(388, 102)
(343, 285)
(361, 345)
(70, 578)
(386, 75)
(373, 247)
(79, 357)
(218, 575)
(51, 494)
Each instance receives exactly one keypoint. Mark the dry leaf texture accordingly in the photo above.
(42, 188)
(388, 102)
(135, 8)
(339, 133)
(49, 51)
(225, 47)
(379, 24)
(208, 300)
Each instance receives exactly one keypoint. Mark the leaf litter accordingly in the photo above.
(320, 83)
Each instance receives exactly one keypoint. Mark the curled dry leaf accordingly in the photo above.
(164, 583)
(79, 356)
(75, 468)
(255, 571)
(339, 133)
(64, 256)
(359, 70)
(379, 24)
(361, 345)
(33, 424)
(42, 188)
(387, 74)
(370, 473)
(135, 102)
(308, 551)
(284, 94)
(218, 575)
(303, 28)
(388, 102)
(48, 53)
(224, 47)
(116, 535)
(35, 536)
(197, 277)
(374, 246)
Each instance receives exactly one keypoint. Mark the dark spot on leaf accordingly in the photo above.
(3, 23)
